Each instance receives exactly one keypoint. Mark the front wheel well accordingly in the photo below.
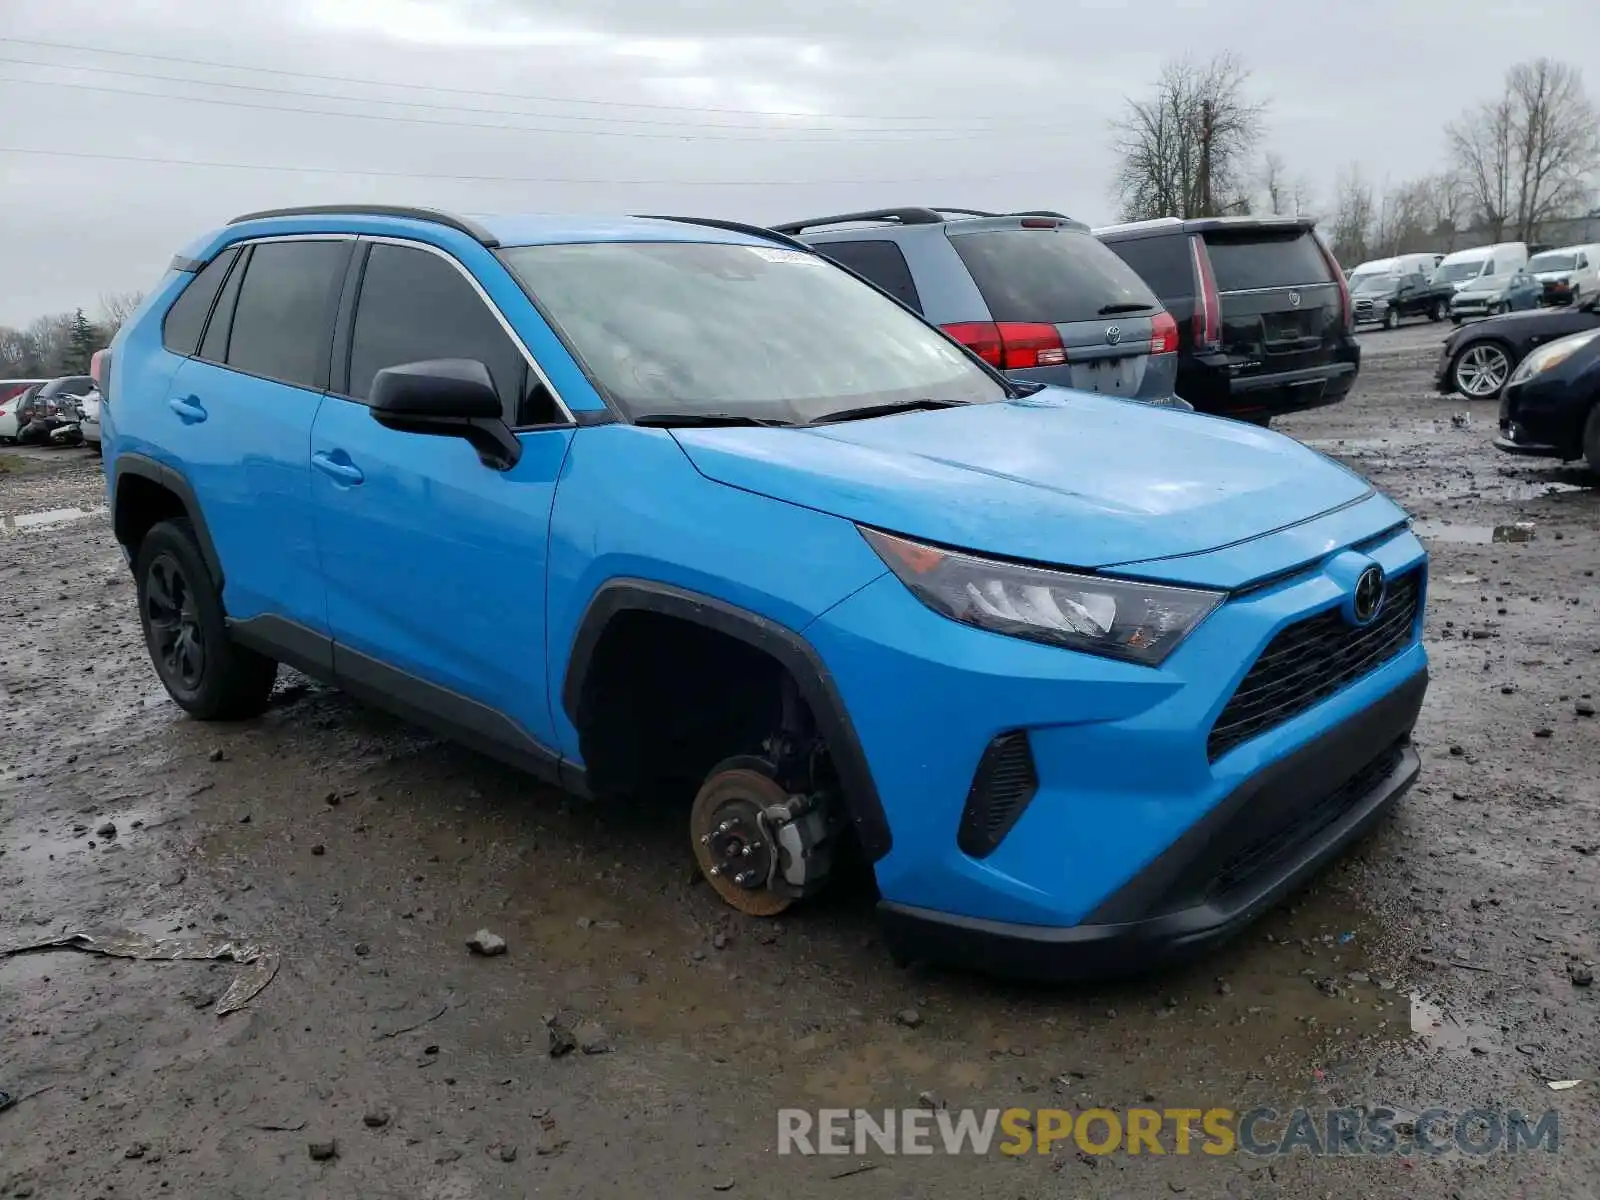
(664, 699)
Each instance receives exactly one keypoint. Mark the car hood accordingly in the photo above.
(1059, 477)
(1489, 284)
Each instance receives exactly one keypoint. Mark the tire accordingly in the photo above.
(1391, 319)
(1436, 312)
(1480, 371)
(1591, 439)
(186, 632)
(1497, 308)
(1454, 320)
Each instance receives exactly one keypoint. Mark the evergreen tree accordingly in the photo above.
(82, 342)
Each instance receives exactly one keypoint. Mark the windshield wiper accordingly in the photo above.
(883, 410)
(1107, 310)
(667, 420)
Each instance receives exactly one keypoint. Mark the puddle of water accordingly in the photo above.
(1473, 535)
(1445, 1031)
(13, 524)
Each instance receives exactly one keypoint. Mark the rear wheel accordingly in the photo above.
(1481, 370)
(186, 632)
(1591, 439)
(1437, 312)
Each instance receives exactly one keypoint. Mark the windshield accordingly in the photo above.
(1553, 262)
(1373, 283)
(1456, 272)
(765, 332)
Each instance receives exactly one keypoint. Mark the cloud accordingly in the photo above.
(722, 107)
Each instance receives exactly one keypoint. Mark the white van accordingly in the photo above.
(1462, 267)
(1567, 274)
(1404, 264)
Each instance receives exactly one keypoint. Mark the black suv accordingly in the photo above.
(1264, 319)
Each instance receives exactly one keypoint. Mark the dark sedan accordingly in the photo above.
(1478, 359)
(1551, 406)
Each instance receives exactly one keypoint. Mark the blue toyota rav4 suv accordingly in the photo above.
(642, 500)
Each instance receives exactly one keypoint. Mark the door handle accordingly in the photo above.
(188, 408)
(346, 473)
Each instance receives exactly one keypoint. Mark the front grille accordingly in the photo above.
(1003, 785)
(1310, 661)
(1306, 825)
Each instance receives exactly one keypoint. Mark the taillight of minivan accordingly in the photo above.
(1011, 345)
(1163, 334)
(1207, 321)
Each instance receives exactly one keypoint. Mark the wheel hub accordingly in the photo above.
(738, 847)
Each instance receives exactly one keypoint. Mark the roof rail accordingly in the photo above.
(964, 212)
(432, 215)
(901, 216)
(760, 231)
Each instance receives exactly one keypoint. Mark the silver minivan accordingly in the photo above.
(1035, 294)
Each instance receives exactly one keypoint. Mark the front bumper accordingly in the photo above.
(1260, 843)
(1126, 758)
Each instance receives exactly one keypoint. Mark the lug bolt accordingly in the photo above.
(744, 878)
(705, 839)
(747, 851)
(714, 872)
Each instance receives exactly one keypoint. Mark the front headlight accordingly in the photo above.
(1552, 354)
(1117, 618)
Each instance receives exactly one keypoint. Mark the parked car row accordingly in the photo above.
(1239, 316)
(1484, 281)
(46, 412)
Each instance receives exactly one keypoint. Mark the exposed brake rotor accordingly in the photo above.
(732, 843)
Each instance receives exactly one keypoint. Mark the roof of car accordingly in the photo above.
(491, 231)
(1166, 225)
(520, 229)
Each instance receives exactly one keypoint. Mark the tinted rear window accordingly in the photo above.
(180, 332)
(283, 321)
(880, 261)
(1050, 275)
(1162, 262)
(1243, 262)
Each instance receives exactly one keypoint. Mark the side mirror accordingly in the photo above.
(446, 397)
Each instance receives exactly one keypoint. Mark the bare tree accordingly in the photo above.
(1353, 217)
(1300, 196)
(116, 308)
(1185, 151)
(1526, 156)
(1274, 183)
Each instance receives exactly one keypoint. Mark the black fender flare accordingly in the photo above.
(128, 465)
(796, 655)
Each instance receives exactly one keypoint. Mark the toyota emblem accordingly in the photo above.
(1368, 600)
(1294, 299)
(1113, 334)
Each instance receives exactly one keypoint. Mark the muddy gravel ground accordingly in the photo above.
(1435, 966)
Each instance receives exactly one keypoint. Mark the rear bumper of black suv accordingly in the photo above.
(1208, 383)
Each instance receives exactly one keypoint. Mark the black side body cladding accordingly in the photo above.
(783, 644)
(457, 717)
(130, 465)
(432, 215)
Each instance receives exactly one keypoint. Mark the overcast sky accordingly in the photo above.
(753, 109)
